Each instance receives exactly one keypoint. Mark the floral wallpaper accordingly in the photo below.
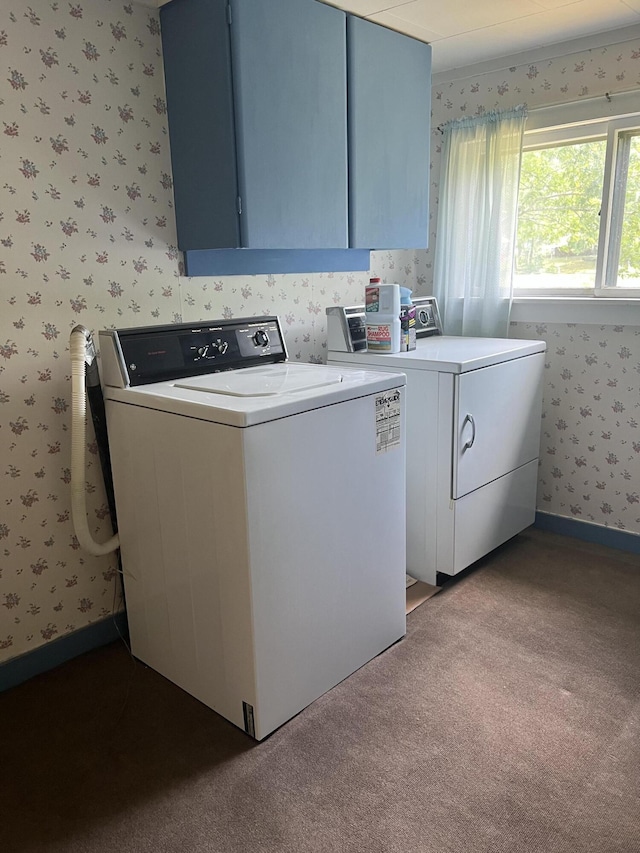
(299, 300)
(608, 70)
(87, 235)
(590, 448)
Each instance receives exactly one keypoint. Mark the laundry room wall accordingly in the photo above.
(87, 236)
(590, 453)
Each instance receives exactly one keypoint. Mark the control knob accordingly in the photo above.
(261, 338)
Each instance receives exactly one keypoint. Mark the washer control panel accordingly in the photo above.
(161, 353)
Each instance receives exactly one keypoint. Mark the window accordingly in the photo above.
(578, 231)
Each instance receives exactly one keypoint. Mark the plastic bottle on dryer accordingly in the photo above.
(407, 321)
(382, 310)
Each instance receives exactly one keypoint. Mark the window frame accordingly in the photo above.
(544, 131)
(613, 193)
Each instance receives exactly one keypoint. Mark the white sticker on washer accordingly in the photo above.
(388, 420)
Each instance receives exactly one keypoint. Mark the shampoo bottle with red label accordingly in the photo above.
(382, 309)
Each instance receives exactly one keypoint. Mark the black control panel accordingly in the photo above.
(161, 353)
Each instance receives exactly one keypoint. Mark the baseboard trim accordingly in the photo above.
(19, 669)
(59, 651)
(623, 540)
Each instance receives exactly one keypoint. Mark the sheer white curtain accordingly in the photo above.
(476, 222)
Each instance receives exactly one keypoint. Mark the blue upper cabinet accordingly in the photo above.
(257, 108)
(272, 104)
(389, 84)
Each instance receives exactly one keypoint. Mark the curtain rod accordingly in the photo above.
(485, 117)
(611, 105)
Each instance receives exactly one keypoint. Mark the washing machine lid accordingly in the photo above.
(255, 395)
(231, 372)
(267, 381)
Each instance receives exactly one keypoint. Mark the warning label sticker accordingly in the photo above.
(388, 420)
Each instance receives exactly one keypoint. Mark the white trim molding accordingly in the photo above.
(599, 311)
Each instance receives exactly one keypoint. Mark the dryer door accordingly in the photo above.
(497, 412)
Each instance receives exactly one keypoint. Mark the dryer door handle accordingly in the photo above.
(469, 419)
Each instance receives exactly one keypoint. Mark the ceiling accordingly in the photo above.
(466, 32)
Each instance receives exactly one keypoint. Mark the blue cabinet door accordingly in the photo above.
(289, 73)
(389, 84)
(197, 69)
(256, 99)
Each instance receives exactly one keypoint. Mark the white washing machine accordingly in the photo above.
(474, 410)
(261, 512)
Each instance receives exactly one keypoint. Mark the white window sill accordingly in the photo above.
(571, 309)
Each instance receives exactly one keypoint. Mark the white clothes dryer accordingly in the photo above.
(261, 512)
(474, 409)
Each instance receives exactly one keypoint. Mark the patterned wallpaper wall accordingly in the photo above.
(87, 235)
(590, 446)
(578, 76)
(590, 451)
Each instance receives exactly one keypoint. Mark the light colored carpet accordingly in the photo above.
(507, 721)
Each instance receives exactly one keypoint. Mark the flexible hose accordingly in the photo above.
(80, 338)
